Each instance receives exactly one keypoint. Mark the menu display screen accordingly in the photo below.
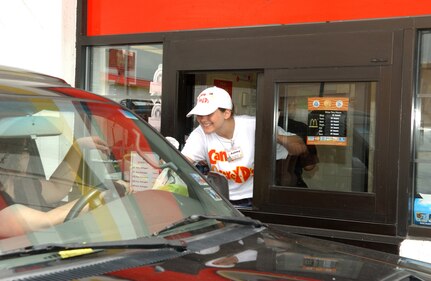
(327, 121)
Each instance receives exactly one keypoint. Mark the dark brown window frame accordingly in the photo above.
(378, 207)
(401, 31)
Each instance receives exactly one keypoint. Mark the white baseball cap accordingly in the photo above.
(209, 100)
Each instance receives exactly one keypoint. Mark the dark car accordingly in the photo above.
(90, 191)
(143, 108)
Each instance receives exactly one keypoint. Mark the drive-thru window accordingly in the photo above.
(356, 92)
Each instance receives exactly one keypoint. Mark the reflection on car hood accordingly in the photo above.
(259, 254)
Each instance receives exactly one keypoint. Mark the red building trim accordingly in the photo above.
(111, 17)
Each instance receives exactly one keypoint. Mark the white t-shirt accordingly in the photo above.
(214, 150)
(282, 152)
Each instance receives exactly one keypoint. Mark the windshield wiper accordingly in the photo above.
(140, 243)
(196, 218)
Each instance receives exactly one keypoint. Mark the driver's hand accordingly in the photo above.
(93, 142)
(123, 187)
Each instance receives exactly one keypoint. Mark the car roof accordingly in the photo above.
(15, 81)
(17, 75)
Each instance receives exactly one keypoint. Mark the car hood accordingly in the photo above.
(234, 253)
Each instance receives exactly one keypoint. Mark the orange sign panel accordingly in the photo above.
(327, 118)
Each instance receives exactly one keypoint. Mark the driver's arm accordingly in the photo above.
(58, 186)
(18, 219)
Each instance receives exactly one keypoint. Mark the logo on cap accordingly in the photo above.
(204, 98)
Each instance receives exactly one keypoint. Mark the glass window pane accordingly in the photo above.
(130, 75)
(422, 150)
(423, 118)
(336, 123)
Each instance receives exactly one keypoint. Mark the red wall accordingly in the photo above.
(109, 17)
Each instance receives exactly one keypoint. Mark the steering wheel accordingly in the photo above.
(81, 203)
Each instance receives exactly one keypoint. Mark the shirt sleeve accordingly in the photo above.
(195, 146)
(281, 152)
(282, 132)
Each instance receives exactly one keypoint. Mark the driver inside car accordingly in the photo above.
(28, 201)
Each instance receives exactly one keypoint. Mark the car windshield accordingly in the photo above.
(122, 179)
